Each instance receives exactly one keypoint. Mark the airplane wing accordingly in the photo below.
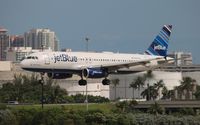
(162, 63)
(127, 64)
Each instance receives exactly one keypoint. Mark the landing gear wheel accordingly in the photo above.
(106, 82)
(82, 82)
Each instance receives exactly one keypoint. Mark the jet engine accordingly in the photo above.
(94, 73)
(59, 75)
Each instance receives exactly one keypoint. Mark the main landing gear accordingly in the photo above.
(106, 81)
(83, 82)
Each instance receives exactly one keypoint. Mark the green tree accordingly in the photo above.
(132, 104)
(53, 93)
(126, 106)
(137, 83)
(149, 75)
(95, 118)
(122, 106)
(31, 88)
(115, 82)
(150, 93)
(187, 84)
(51, 116)
(27, 89)
(197, 93)
(187, 111)
(133, 85)
(7, 118)
(166, 93)
(79, 98)
(177, 92)
(18, 81)
(158, 85)
(156, 109)
(7, 92)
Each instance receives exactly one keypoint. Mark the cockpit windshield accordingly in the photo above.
(31, 57)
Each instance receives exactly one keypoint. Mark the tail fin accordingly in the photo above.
(159, 46)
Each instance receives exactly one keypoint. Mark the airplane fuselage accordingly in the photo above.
(70, 62)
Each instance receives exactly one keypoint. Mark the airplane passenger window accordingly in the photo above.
(28, 57)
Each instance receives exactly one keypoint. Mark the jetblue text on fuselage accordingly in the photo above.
(64, 58)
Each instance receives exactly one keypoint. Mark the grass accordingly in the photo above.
(104, 107)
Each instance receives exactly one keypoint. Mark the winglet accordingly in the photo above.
(159, 46)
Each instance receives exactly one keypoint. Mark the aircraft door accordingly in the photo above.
(46, 60)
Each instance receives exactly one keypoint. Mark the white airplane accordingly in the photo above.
(61, 65)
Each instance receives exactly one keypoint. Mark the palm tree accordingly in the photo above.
(115, 82)
(153, 92)
(177, 92)
(158, 85)
(149, 75)
(166, 93)
(133, 85)
(187, 84)
(150, 93)
(197, 93)
(137, 83)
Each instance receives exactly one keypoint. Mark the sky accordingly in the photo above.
(127, 26)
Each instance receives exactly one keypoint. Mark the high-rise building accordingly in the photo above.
(4, 43)
(17, 41)
(41, 38)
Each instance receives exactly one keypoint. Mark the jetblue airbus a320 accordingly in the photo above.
(61, 65)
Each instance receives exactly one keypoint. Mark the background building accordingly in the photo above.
(16, 54)
(36, 38)
(181, 58)
(4, 43)
(123, 90)
(17, 41)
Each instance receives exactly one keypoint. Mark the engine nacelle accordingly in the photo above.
(59, 75)
(94, 73)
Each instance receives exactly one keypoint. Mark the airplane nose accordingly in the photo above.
(23, 64)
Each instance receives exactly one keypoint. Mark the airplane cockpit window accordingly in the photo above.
(32, 57)
(29, 57)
